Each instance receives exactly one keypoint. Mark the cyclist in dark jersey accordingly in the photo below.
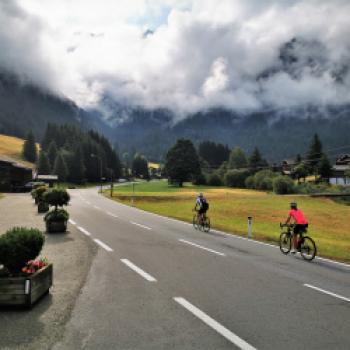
(300, 222)
(201, 206)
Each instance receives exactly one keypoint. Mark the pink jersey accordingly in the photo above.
(298, 216)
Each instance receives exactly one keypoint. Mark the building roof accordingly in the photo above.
(47, 177)
(343, 167)
(13, 163)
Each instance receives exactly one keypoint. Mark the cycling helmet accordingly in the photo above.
(200, 195)
(293, 205)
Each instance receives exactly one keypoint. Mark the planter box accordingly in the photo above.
(26, 290)
(43, 207)
(56, 226)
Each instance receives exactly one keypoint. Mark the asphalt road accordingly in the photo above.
(157, 283)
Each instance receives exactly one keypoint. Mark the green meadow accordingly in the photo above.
(229, 209)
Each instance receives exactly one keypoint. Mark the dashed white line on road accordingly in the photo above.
(87, 233)
(103, 245)
(111, 214)
(143, 226)
(201, 247)
(72, 222)
(233, 338)
(87, 202)
(96, 207)
(326, 292)
(135, 268)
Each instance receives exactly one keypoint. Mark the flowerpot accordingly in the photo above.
(25, 290)
(43, 207)
(56, 226)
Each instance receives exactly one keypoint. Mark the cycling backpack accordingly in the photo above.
(205, 204)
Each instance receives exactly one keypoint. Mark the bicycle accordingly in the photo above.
(198, 224)
(306, 245)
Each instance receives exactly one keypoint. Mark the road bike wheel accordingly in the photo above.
(307, 248)
(285, 242)
(195, 221)
(206, 225)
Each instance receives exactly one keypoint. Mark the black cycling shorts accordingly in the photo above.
(202, 211)
(298, 228)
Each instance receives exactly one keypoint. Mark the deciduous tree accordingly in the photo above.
(182, 162)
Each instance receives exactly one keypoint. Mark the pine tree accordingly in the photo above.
(29, 149)
(324, 168)
(256, 160)
(43, 164)
(140, 166)
(52, 153)
(314, 154)
(237, 159)
(76, 166)
(60, 168)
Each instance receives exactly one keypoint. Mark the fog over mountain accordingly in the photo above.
(242, 55)
(165, 63)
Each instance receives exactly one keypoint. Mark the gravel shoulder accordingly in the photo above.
(71, 254)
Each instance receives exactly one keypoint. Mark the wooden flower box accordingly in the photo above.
(56, 226)
(26, 290)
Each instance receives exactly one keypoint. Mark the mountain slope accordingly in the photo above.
(278, 134)
(25, 107)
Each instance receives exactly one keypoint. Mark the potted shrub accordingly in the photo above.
(56, 219)
(43, 206)
(23, 280)
(33, 192)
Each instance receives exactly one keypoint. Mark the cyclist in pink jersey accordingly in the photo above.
(299, 221)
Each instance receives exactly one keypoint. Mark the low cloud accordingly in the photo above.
(239, 54)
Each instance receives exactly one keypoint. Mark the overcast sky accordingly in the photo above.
(186, 55)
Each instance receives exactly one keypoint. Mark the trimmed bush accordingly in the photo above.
(39, 192)
(18, 246)
(250, 182)
(57, 215)
(57, 197)
(263, 179)
(283, 185)
(236, 178)
(214, 180)
(266, 184)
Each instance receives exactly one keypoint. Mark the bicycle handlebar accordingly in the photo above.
(286, 225)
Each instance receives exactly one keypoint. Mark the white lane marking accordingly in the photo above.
(96, 207)
(143, 226)
(87, 233)
(233, 338)
(103, 245)
(201, 247)
(87, 202)
(72, 222)
(326, 292)
(142, 273)
(111, 214)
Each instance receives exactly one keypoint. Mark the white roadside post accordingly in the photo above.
(250, 227)
(133, 194)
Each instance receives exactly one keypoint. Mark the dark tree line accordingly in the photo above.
(77, 156)
(215, 164)
(213, 153)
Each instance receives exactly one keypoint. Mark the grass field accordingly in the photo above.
(229, 209)
(11, 148)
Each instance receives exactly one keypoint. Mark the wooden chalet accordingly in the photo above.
(341, 167)
(13, 176)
